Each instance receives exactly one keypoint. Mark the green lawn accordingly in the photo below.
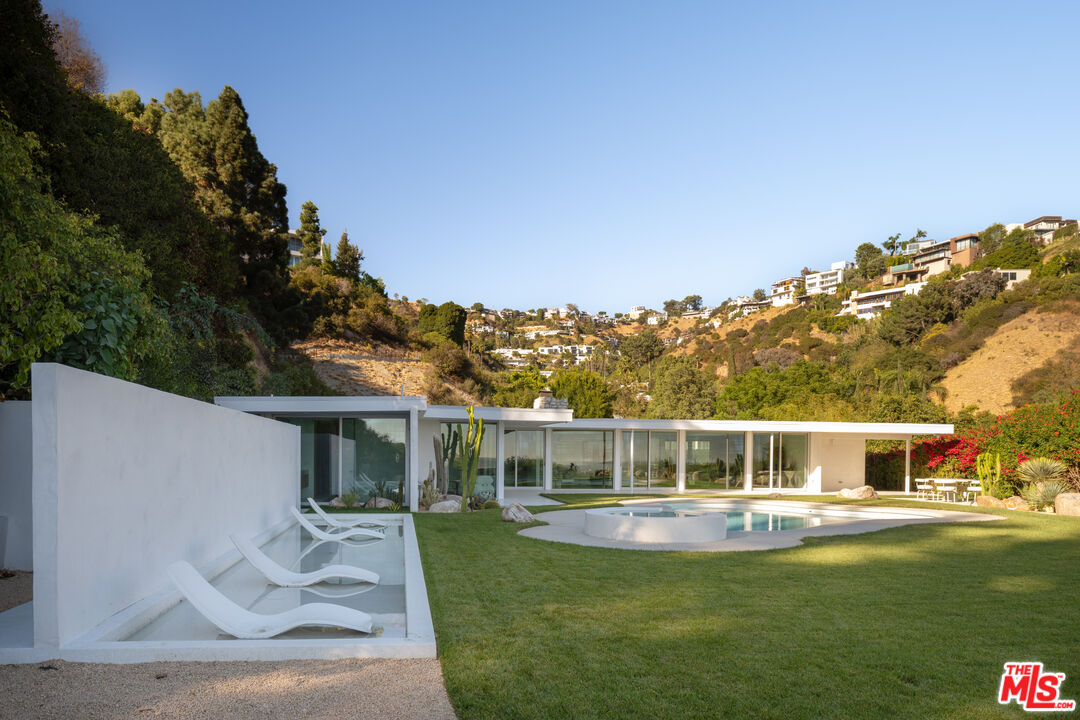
(909, 622)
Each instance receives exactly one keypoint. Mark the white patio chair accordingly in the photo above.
(241, 623)
(925, 490)
(334, 522)
(287, 578)
(972, 490)
(947, 490)
(352, 534)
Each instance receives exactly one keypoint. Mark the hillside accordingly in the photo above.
(1028, 342)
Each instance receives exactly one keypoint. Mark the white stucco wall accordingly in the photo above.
(839, 460)
(16, 482)
(128, 480)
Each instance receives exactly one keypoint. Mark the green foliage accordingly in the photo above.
(1016, 251)
(760, 295)
(642, 348)
(988, 470)
(869, 259)
(1042, 494)
(348, 259)
(682, 390)
(447, 320)
(491, 505)
(520, 389)
(311, 233)
(588, 394)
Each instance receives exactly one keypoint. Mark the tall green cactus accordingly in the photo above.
(988, 469)
(468, 443)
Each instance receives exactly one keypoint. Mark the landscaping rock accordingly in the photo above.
(337, 502)
(456, 498)
(1067, 504)
(1017, 503)
(446, 506)
(516, 513)
(866, 492)
(378, 502)
(776, 496)
(989, 501)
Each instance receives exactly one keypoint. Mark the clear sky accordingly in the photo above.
(609, 154)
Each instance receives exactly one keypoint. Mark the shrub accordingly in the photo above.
(1040, 470)
(492, 504)
(1042, 494)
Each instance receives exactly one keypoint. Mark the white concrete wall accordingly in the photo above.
(839, 462)
(16, 483)
(128, 480)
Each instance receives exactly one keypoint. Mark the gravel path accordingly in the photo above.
(16, 590)
(294, 690)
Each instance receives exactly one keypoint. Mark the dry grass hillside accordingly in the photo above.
(985, 378)
(362, 369)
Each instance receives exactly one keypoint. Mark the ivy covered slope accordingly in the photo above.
(149, 248)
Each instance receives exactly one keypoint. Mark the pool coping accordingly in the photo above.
(103, 643)
(568, 526)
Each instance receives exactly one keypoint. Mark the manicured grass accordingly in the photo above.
(913, 622)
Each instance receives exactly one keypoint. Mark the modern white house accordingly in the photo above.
(349, 443)
(826, 281)
(783, 290)
(870, 304)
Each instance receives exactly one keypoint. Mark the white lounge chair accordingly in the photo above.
(245, 624)
(287, 578)
(334, 522)
(353, 534)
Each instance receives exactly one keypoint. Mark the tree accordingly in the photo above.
(760, 295)
(977, 286)
(311, 233)
(83, 67)
(520, 390)
(991, 238)
(682, 390)
(673, 308)
(869, 259)
(588, 395)
(692, 303)
(348, 259)
(891, 244)
(477, 307)
(642, 348)
(446, 320)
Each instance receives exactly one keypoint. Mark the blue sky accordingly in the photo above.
(610, 154)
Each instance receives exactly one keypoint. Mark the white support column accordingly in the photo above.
(748, 460)
(414, 460)
(547, 459)
(500, 461)
(907, 465)
(680, 463)
(616, 462)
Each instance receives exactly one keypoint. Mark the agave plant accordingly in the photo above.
(1040, 469)
(1042, 494)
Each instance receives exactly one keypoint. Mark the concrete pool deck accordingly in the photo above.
(568, 526)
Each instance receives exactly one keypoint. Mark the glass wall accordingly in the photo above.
(342, 455)
(373, 457)
(524, 451)
(485, 474)
(780, 460)
(635, 459)
(318, 457)
(581, 458)
(663, 458)
(714, 461)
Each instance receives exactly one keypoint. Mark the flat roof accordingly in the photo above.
(885, 431)
(288, 404)
(532, 416)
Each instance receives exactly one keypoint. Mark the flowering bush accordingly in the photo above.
(1037, 430)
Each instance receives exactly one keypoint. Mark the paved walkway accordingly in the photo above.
(568, 526)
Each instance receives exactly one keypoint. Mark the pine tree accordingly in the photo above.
(311, 233)
(348, 258)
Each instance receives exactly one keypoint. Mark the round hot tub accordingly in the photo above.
(655, 524)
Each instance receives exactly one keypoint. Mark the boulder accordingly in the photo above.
(456, 498)
(378, 502)
(776, 496)
(446, 506)
(516, 513)
(866, 492)
(1017, 503)
(337, 503)
(1067, 504)
(989, 501)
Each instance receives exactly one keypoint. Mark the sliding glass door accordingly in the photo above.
(780, 460)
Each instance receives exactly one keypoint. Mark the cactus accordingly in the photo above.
(468, 444)
(988, 468)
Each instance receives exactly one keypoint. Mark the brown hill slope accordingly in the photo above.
(985, 378)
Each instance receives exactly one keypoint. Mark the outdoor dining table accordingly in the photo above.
(949, 488)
